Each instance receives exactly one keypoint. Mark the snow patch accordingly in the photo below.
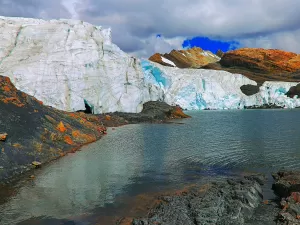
(167, 61)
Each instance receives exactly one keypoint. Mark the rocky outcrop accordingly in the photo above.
(261, 64)
(66, 63)
(249, 89)
(293, 91)
(287, 186)
(286, 182)
(231, 202)
(153, 112)
(190, 58)
(37, 133)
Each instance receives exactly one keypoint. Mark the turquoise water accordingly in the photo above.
(143, 158)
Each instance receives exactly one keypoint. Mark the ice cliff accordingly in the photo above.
(66, 62)
(196, 89)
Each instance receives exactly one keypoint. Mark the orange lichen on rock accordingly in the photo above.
(68, 140)
(267, 60)
(13, 100)
(108, 117)
(6, 88)
(61, 127)
(178, 113)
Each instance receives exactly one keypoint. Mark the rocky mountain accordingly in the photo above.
(190, 58)
(66, 63)
(260, 64)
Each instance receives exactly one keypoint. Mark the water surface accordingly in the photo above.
(143, 158)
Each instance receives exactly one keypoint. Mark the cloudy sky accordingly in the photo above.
(142, 27)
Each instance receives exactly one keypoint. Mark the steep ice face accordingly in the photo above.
(273, 92)
(65, 62)
(196, 89)
(199, 89)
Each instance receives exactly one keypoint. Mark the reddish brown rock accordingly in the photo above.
(191, 58)
(260, 64)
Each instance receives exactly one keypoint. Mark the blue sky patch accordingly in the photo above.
(208, 44)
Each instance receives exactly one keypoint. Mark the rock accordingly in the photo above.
(154, 111)
(286, 182)
(101, 74)
(294, 90)
(191, 58)
(249, 89)
(3, 136)
(261, 64)
(21, 113)
(290, 213)
(36, 164)
(231, 202)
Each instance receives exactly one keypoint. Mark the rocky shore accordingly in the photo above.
(33, 134)
(231, 202)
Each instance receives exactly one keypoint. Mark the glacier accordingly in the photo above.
(197, 89)
(67, 63)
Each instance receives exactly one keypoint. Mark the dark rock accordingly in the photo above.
(231, 202)
(264, 106)
(286, 182)
(295, 90)
(153, 111)
(249, 89)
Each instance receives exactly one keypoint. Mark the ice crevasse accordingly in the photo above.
(196, 89)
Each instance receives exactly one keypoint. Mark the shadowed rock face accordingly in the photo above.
(38, 133)
(260, 64)
(191, 58)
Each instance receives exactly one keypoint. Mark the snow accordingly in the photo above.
(167, 61)
(65, 62)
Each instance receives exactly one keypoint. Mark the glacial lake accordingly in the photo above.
(146, 158)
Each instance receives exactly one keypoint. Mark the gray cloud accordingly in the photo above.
(46, 9)
(256, 23)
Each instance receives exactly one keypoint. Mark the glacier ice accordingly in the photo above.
(196, 89)
(67, 62)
